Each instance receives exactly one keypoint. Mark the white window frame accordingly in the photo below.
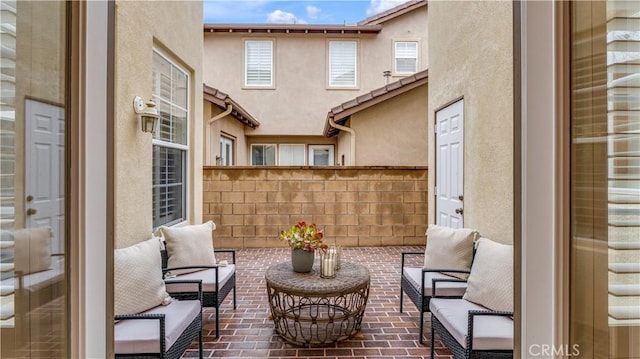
(264, 144)
(184, 148)
(227, 140)
(292, 145)
(271, 82)
(396, 57)
(330, 64)
(331, 149)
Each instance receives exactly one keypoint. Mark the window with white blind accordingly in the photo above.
(170, 84)
(263, 155)
(258, 63)
(291, 155)
(342, 63)
(406, 57)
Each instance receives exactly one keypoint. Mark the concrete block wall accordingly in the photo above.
(356, 206)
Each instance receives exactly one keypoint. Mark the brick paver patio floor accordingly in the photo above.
(248, 332)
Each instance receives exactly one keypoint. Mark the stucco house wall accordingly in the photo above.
(411, 26)
(299, 99)
(228, 126)
(174, 28)
(474, 60)
(393, 132)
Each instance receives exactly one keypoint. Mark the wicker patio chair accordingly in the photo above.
(479, 325)
(419, 282)
(217, 282)
(165, 331)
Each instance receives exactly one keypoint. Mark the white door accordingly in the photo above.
(226, 151)
(44, 161)
(449, 165)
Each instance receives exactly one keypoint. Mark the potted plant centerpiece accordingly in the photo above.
(304, 239)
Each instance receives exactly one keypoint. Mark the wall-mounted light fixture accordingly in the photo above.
(147, 112)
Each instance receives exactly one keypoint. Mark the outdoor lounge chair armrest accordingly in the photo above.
(434, 286)
(473, 313)
(187, 281)
(424, 270)
(140, 316)
(232, 251)
(168, 269)
(409, 254)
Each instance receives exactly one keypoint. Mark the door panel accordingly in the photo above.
(449, 165)
(44, 164)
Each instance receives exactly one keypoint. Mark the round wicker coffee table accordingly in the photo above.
(310, 310)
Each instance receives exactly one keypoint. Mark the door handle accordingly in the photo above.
(29, 198)
(460, 198)
(459, 211)
(32, 211)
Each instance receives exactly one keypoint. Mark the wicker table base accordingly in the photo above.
(310, 310)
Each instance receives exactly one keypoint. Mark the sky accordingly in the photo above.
(293, 11)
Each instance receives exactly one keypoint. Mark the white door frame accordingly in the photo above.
(449, 164)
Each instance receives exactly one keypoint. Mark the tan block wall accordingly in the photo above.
(356, 206)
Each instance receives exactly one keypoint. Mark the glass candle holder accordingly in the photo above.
(327, 265)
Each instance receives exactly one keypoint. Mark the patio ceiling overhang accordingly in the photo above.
(222, 100)
(341, 113)
(292, 29)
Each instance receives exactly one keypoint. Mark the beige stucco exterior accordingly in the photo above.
(393, 132)
(474, 60)
(174, 28)
(225, 126)
(298, 102)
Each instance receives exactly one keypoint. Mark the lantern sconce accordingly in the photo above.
(147, 112)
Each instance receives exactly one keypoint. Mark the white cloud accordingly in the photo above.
(283, 17)
(312, 12)
(378, 6)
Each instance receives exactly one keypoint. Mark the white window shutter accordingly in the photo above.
(406, 56)
(342, 63)
(259, 63)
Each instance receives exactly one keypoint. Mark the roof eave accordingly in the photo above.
(341, 114)
(393, 13)
(221, 100)
(292, 29)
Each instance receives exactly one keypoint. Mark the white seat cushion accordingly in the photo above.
(489, 332)
(34, 281)
(206, 276)
(143, 335)
(447, 289)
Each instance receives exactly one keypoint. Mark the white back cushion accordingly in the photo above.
(190, 245)
(490, 283)
(138, 278)
(32, 249)
(449, 248)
